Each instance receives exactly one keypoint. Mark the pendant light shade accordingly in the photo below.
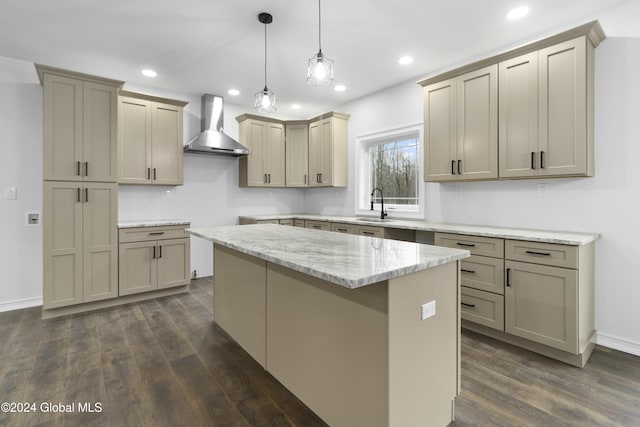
(265, 100)
(319, 67)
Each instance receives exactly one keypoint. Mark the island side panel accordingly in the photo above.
(424, 354)
(239, 299)
(328, 345)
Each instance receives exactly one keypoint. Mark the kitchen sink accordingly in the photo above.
(374, 219)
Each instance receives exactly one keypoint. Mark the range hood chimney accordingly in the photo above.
(213, 140)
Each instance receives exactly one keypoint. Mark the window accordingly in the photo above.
(391, 161)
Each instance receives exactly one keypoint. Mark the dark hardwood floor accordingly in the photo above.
(164, 363)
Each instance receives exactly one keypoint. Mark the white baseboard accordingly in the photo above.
(16, 305)
(618, 344)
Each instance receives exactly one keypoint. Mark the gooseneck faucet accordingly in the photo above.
(383, 213)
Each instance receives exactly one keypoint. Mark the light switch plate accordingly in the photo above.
(11, 193)
(428, 309)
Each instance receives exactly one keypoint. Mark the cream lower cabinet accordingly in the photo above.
(461, 127)
(153, 258)
(150, 149)
(80, 243)
(537, 295)
(541, 304)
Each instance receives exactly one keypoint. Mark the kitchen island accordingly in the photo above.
(365, 331)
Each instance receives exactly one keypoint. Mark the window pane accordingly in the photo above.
(394, 169)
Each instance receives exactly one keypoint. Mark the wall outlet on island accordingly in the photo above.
(428, 309)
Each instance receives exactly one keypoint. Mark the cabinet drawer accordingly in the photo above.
(485, 246)
(483, 273)
(542, 253)
(298, 222)
(371, 231)
(286, 222)
(143, 234)
(318, 225)
(482, 307)
(344, 228)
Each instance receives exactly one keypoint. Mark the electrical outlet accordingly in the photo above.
(542, 190)
(32, 219)
(428, 309)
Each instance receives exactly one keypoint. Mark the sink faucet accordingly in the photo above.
(383, 213)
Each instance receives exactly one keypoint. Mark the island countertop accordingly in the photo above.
(346, 260)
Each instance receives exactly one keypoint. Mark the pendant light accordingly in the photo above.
(265, 99)
(319, 67)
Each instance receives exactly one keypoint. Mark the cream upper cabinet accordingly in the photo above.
(80, 242)
(461, 139)
(265, 165)
(328, 150)
(80, 126)
(546, 112)
(297, 154)
(150, 147)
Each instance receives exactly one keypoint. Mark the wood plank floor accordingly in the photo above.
(164, 363)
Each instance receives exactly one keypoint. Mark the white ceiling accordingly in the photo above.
(199, 46)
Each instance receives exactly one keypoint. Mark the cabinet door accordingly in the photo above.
(297, 155)
(138, 268)
(440, 131)
(275, 155)
(255, 138)
(477, 124)
(563, 108)
(518, 116)
(315, 154)
(100, 241)
(62, 243)
(173, 263)
(62, 126)
(100, 148)
(166, 144)
(134, 141)
(541, 304)
(326, 170)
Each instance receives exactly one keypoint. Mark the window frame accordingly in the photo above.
(363, 172)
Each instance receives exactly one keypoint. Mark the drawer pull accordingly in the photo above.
(541, 159)
(453, 167)
(467, 305)
(466, 245)
(533, 160)
(538, 253)
(508, 277)
(468, 271)
(368, 233)
(459, 162)
(78, 170)
(344, 230)
(156, 233)
(160, 249)
(154, 252)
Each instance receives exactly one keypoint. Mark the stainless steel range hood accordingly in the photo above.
(213, 140)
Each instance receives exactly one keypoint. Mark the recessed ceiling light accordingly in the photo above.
(405, 60)
(295, 106)
(518, 12)
(233, 92)
(339, 88)
(149, 73)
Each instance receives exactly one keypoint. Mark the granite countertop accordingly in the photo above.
(546, 236)
(151, 223)
(347, 260)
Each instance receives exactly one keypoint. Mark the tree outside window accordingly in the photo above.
(394, 168)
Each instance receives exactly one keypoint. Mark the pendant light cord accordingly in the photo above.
(265, 56)
(319, 27)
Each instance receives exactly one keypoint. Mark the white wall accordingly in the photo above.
(20, 168)
(608, 203)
